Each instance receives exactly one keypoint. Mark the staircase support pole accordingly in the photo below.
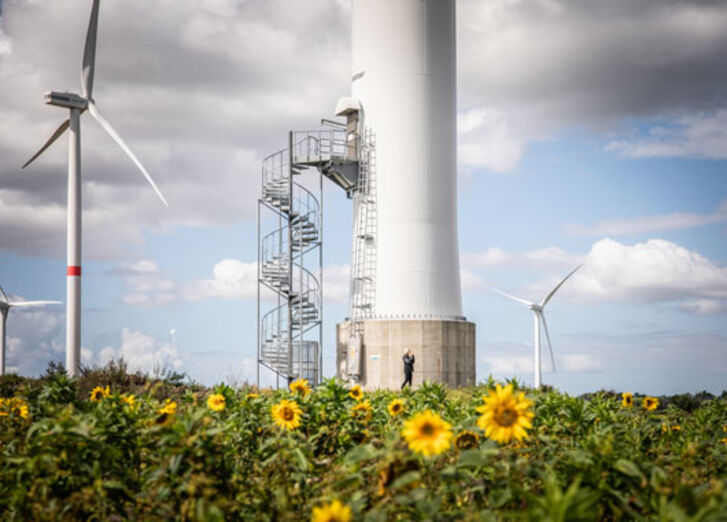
(290, 254)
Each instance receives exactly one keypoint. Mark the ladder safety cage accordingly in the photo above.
(363, 255)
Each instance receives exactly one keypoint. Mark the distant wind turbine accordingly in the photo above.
(539, 315)
(5, 306)
(77, 105)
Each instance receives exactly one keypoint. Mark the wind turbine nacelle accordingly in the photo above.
(66, 99)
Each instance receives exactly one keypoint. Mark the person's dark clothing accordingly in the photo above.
(408, 369)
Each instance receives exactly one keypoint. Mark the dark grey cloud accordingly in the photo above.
(590, 62)
(202, 91)
(529, 69)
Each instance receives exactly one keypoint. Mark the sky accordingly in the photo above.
(588, 132)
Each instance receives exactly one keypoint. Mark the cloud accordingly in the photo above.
(579, 362)
(32, 339)
(653, 271)
(701, 136)
(148, 286)
(509, 366)
(650, 224)
(704, 306)
(515, 364)
(336, 284)
(472, 282)
(141, 352)
(532, 69)
(591, 63)
(231, 279)
(543, 258)
(485, 140)
(200, 91)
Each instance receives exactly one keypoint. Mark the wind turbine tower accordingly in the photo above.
(77, 105)
(396, 158)
(539, 323)
(404, 86)
(5, 306)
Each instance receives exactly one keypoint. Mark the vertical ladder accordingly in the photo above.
(363, 256)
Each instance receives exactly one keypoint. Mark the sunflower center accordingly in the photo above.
(427, 429)
(288, 414)
(506, 416)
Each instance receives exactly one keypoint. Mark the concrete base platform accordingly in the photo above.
(444, 351)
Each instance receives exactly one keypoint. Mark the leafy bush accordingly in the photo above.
(154, 449)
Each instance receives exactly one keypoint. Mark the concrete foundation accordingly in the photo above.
(444, 351)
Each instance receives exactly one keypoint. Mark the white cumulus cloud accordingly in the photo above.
(648, 272)
(140, 351)
(656, 270)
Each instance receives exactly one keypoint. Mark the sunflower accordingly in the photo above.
(427, 433)
(466, 440)
(505, 416)
(300, 387)
(356, 392)
(165, 414)
(396, 407)
(99, 393)
(14, 405)
(251, 396)
(163, 419)
(130, 401)
(170, 407)
(286, 414)
(650, 403)
(362, 410)
(216, 402)
(627, 399)
(333, 512)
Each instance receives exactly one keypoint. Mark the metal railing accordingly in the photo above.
(311, 147)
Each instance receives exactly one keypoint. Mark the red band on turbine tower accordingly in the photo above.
(73, 271)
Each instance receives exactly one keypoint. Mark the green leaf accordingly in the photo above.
(474, 458)
(627, 467)
(301, 459)
(405, 479)
(359, 453)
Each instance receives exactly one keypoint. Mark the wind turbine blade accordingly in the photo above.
(89, 53)
(32, 303)
(57, 134)
(3, 295)
(111, 132)
(547, 336)
(554, 290)
(523, 301)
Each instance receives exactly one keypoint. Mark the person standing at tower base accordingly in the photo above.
(408, 368)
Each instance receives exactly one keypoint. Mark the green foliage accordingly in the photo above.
(585, 458)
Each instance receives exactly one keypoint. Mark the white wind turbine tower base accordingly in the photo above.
(538, 317)
(77, 105)
(5, 306)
